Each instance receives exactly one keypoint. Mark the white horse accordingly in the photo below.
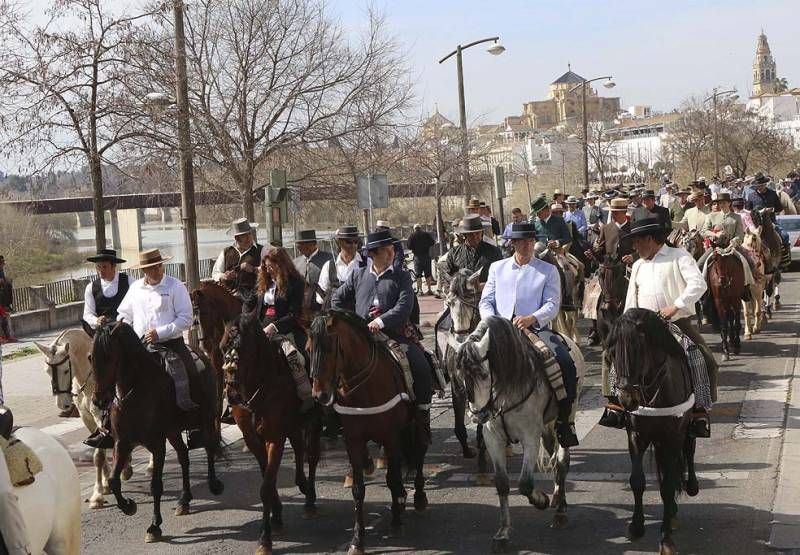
(509, 393)
(51, 506)
(70, 371)
(754, 310)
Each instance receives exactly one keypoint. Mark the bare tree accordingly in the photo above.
(601, 148)
(65, 89)
(745, 138)
(691, 137)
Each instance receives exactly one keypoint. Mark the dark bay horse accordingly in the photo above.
(257, 372)
(462, 300)
(772, 262)
(131, 380)
(725, 279)
(215, 305)
(355, 373)
(654, 383)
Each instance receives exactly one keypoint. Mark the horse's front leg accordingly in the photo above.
(357, 452)
(737, 330)
(244, 419)
(748, 307)
(689, 445)
(496, 445)
(394, 480)
(482, 479)
(156, 489)
(271, 520)
(312, 438)
(122, 452)
(560, 490)
(183, 459)
(459, 427)
(299, 447)
(667, 456)
(723, 332)
(636, 450)
(97, 500)
(530, 454)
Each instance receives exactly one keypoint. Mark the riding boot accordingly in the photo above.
(101, 438)
(700, 425)
(227, 416)
(613, 417)
(301, 381)
(195, 439)
(565, 430)
(422, 422)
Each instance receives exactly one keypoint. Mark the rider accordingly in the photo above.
(349, 241)
(574, 214)
(236, 265)
(680, 206)
(694, 217)
(279, 301)
(550, 228)
(384, 297)
(310, 264)
(159, 309)
(761, 197)
(527, 291)
(667, 280)
(649, 208)
(472, 252)
(726, 223)
(104, 294)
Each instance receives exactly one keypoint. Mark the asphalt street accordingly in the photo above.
(738, 468)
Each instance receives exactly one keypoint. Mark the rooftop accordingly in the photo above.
(570, 77)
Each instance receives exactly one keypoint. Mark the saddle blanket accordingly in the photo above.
(23, 463)
(697, 367)
(591, 298)
(398, 352)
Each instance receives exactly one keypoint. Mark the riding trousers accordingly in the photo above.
(561, 352)
(182, 390)
(420, 369)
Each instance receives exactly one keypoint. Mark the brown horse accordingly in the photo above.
(256, 371)
(725, 279)
(613, 289)
(691, 241)
(141, 395)
(356, 374)
(214, 305)
(772, 263)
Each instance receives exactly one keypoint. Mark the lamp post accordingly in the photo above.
(495, 49)
(609, 84)
(713, 98)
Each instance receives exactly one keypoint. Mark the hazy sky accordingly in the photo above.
(659, 51)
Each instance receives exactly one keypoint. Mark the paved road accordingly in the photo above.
(738, 469)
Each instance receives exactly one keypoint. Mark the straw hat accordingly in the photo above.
(150, 257)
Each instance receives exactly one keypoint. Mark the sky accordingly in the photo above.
(658, 51)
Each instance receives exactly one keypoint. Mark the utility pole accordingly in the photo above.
(609, 84)
(714, 101)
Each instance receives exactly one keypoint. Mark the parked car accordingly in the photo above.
(791, 225)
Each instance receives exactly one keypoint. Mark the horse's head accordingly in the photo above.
(213, 305)
(108, 353)
(333, 341)
(463, 300)
(472, 370)
(613, 285)
(59, 368)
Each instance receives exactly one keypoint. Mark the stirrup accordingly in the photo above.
(565, 432)
(613, 417)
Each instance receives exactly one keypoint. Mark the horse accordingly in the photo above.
(509, 392)
(72, 383)
(690, 240)
(141, 395)
(613, 291)
(462, 300)
(655, 387)
(725, 278)
(571, 272)
(51, 506)
(257, 371)
(214, 305)
(772, 263)
(754, 309)
(354, 372)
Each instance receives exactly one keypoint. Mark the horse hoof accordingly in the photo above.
(128, 507)
(127, 472)
(468, 453)
(355, 550)
(310, 512)
(483, 479)
(420, 501)
(182, 510)
(667, 547)
(106, 490)
(540, 503)
(692, 488)
(98, 503)
(153, 534)
(380, 463)
(216, 486)
(560, 521)
(261, 550)
(749, 336)
(348, 481)
(635, 531)
(499, 545)
(726, 356)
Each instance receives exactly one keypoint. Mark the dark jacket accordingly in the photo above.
(420, 243)
(244, 281)
(287, 308)
(392, 290)
(311, 268)
(107, 306)
(481, 257)
(659, 212)
(608, 242)
(554, 229)
(767, 199)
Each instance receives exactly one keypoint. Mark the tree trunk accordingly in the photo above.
(96, 175)
(248, 209)
(439, 222)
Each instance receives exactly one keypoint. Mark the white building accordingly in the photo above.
(640, 140)
(781, 110)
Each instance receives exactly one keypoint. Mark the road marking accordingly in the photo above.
(63, 428)
(710, 476)
(763, 410)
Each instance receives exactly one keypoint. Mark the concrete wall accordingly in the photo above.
(43, 319)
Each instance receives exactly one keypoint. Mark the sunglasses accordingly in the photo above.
(349, 241)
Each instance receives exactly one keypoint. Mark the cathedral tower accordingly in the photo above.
(765, 77)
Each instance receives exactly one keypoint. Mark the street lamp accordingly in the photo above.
(713, 98)
(495, 49)
(609, 84)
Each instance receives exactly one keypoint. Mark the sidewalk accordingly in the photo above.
(26, 342)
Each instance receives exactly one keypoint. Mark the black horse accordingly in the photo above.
(141, 396)
(652, 375)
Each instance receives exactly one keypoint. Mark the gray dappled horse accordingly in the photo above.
(508, 391)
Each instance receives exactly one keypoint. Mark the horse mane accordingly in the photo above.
(637, 334)
(206, 283)
(516, 365)
(459, 284)
(318, 332)
(268, 353)
(130, 344)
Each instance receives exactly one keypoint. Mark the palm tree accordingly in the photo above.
(781, 85)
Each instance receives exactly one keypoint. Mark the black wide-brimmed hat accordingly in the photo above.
(379, 238)
(347, 232)
(523, 230)
(240, 227)
(645, 226)
(649, 194)
(761, 179)
(306, 236)
(723, 197)
(106, 255)
(611, 193)
(539, 204)
(470, 224)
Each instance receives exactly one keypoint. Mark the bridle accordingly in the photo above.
(344, 388)
(54, 366)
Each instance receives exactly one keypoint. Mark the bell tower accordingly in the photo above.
(765, 77)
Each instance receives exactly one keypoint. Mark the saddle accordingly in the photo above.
(23, 463)
(174, 367)
(551, 366)
(398, 354)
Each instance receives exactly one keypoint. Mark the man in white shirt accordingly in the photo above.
(349, 241)
(104, 294)
(668, 281)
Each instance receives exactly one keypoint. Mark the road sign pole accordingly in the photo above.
(369, 188)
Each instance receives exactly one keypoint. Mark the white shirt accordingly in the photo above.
(671, 277)
(109, 289)
(165, 307)
(343, 271)
(219, 266)
(376, 302)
